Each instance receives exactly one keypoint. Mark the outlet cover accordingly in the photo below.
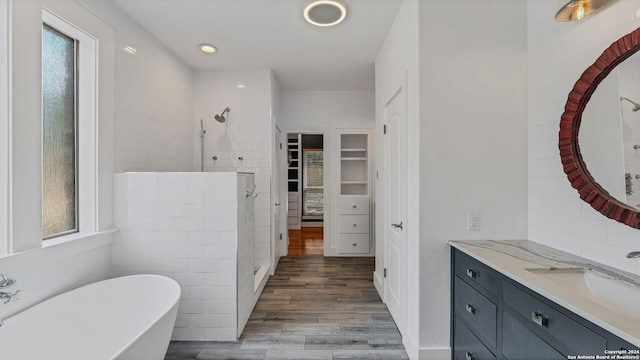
(473, 223)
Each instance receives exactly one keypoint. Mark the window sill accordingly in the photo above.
(96, 237)
(57, 249)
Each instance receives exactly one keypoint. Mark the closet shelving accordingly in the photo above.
(293, 180)
(354, 200)
(354, 164)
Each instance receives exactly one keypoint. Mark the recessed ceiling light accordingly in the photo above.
(325, 12)
(208, 48)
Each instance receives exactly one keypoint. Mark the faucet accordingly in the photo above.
(6, 282)
(7, 296)
(633, 255)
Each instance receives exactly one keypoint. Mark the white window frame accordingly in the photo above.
(5, 127)
(87, 121)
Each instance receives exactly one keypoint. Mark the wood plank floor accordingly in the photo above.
(306, 240)
(313, 308)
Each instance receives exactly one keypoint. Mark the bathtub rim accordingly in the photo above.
(162, 316)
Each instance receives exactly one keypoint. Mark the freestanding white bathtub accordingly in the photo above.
(130, 317)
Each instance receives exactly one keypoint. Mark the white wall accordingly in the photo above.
(328, 109)
(558, 54)
(397, 61)
(154, 103)
(247, 133)
(45, 271)
(473, 126)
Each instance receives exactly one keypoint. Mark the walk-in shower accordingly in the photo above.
(636, 106)
(219, 118)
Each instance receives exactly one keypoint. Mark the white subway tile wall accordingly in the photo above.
(190, 227)
(247, 134)
(154, 104)
(558, 54)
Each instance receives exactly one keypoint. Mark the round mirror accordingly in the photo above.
(598, 132)
(609, 135)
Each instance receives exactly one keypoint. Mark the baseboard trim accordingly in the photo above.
(379, 284)
(435, 354)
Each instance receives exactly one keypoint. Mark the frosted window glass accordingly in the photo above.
(59, 179)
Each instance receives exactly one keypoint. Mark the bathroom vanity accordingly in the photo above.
(520, 300)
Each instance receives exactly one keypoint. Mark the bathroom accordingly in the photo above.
(485, 91)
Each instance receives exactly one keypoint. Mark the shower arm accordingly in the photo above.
(636, 106)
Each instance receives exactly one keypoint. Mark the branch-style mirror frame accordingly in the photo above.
(590, 191)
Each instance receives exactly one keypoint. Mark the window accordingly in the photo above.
(69, 161)
(59, 131)
(313, 182)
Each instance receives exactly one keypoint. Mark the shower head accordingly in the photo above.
(636, 106)
(220, 118)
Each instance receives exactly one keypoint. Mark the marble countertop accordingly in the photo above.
(513, 258)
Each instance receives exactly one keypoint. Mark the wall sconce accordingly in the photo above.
(576, 10)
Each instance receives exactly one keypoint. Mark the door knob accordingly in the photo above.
(397, 226)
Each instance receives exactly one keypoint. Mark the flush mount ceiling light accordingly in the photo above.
(325, 12)
(208, 48)
(577, 10)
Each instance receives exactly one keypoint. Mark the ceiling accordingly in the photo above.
(271, 34)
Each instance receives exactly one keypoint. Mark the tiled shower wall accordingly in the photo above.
(246, 134)
(183, 225)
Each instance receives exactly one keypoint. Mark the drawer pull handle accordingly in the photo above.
(355, 244)
(471, 273)
(470, 309)
(468, 356)
(397, 226)
(355, 225)
(354, 206)
(537, 318)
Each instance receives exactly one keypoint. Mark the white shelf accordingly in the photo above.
(354, 150)
(353, 159)
(353, 182)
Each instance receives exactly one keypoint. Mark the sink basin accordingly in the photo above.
(611, 293)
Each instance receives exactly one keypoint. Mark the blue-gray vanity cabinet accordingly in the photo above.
(509, 321)
(468, 346)
(519, 343)
(549, 320)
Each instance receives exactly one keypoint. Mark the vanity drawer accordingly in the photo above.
(476, 309)
(569, 332)
(467, 346)
(476, 272)
(519, 343)
(353, 205)
(353, 224)
(354, 243)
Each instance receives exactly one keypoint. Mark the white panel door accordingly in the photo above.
(396, 207)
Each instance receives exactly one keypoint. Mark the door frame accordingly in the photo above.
(328, 191)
